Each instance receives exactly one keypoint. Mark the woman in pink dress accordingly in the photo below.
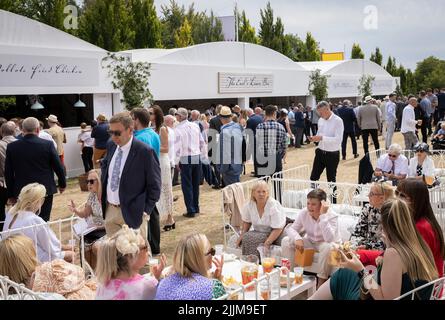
(119, 261)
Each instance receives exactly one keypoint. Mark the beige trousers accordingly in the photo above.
(323, 249)
(114, 221)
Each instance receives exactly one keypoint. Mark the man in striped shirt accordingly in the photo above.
(271, 143)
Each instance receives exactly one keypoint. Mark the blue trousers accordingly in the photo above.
(190, 181)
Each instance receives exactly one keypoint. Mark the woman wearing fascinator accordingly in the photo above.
(120, 260)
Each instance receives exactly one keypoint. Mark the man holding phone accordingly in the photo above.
(329, 138)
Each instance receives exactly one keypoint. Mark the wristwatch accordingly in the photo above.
(361, 274)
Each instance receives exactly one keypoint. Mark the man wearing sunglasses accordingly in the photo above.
(392, 166)
(131, 178)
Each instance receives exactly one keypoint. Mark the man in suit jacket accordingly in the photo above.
(131, 178)
(215, 125)
(368, 118)
(347, 114)
(32, 159)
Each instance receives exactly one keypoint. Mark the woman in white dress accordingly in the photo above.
(25, 213)
(165, 203)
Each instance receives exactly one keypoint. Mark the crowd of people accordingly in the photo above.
(134, 159)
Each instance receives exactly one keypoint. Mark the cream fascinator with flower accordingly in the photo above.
(127, 241)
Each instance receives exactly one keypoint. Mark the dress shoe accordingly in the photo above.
(356, 156)
(216, 187)
(168, 227)
(343, 158)
(189, 215)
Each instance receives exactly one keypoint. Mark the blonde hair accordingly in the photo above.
(400, 229)
(257, 185)
(99, 182)
(386, 188)
(18, 258)
(116, 254)
(190, 255)
(29, 198)
(203, 117)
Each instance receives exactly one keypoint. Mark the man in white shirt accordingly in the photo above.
(329, 137)
(188, 146)
(390, 119)
(409, 122)
(319, 224)
(392, 166)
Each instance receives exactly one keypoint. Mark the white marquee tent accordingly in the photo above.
(344, 76)
(37, 59)
(222, 70)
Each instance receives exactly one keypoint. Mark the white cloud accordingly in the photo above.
(408, 30)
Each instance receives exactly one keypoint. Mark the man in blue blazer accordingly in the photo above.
(347, 114)
(131, 178)
(32, 159)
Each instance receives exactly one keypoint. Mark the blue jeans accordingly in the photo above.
(190, 180)
(231, 173)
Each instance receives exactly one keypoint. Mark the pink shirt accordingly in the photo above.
(188, 140)
(325, 229)
(137, 288)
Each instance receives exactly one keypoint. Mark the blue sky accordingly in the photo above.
(409, 30)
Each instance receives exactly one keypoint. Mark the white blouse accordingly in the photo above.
(427, 167)
(48, 247)
(273, 216)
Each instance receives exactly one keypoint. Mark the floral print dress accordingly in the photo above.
(368, 229)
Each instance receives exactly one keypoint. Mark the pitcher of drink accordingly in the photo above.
(249, 270)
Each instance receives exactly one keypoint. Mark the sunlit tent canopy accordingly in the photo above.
(344, 76)
(201, 71)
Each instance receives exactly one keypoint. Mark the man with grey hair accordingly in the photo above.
(189, 144)
(392, 166)
(7, 131)
(409, 122)
(32, 159)
(329, 138)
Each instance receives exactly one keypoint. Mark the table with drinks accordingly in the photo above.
(274, 279)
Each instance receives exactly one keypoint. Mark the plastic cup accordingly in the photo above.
(249, 270)
(265, 290)
(219, 249)
(152, 263)
(268, 264)
(298, 275)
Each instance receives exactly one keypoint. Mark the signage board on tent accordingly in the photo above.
(45, 71)
(244, 82)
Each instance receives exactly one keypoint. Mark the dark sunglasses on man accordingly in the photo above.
(116, 133)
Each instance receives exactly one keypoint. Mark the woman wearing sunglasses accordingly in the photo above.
(392, 166)
(191, 279)
(92, 211)
(421, 166)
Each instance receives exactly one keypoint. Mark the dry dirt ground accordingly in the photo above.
(210, 221)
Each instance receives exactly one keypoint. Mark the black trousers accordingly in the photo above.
(375, 138)
(154, 232)
(3, 200)
(426, 129)
(345, 142)
(299, 137)
(314, 128)
(87, 158)
(45, 211)
(307, 130)
(325, 160)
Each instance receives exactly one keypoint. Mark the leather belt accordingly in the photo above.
(114, 205)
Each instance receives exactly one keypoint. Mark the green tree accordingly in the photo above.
(318, 85)
(311, 49)
(365, 86)
(279, 41)
(356, 52)
(146, 25)
(107, 24)
(183, 37)
(206, 28)
(402, 74)
(172, 19)
(411, 83)
(266, 31)
(430, 73)
(296, 46)
(377, 56)
(391, 66)
(130, 78)
(246, 32)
